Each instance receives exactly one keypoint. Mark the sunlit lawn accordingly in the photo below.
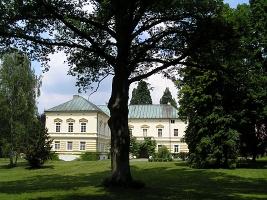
(174, 180)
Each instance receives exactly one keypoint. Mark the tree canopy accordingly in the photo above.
(18, 92)
(141, 94)
(130, 40)
(225, 102)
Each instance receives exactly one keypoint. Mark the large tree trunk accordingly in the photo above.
(120, 139)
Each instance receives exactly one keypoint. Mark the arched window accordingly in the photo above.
(70, 124)
(58, 124)
(83, 123)
(145, 128)
(70, 128)
(83, 127)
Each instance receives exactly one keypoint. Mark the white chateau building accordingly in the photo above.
(78, 125)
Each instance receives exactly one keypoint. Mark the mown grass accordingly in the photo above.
(174, 180)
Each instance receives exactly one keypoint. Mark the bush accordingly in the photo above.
(183, 155)
(142, 149)
(163, 155)
(90, 156)
(54, 156)
(37, 150)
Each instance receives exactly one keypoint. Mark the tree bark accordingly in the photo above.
(120, 138)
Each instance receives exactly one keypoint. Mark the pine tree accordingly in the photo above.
(167, 98)
(141, 94)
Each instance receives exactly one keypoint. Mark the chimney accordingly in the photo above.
(75, 96)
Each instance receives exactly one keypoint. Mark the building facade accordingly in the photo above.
(78, 126)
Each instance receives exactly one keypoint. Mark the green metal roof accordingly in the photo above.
(78, 103)
(148, 111)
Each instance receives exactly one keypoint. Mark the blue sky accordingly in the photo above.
(58, 87)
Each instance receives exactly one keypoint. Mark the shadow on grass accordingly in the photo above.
(41, 167)
(177, 182)
(259, 164)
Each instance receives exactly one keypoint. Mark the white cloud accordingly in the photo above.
(58, 87)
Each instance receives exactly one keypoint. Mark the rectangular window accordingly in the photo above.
(82, 146)
(83, 127)
(159, 132)
(159, 146)
(69, 146)
(70, 127)
(172, 121)
(176, 148)
(57, 127)
(175, 132)
(145, 132)
(57, 145)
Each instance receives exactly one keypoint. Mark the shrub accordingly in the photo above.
(163, 155)
(54, 156)
(37, 150)
(90, 156)
(183, 155)
(142, 149)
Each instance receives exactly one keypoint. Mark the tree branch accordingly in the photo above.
(94, 23)
(156, 70)
(82, 34)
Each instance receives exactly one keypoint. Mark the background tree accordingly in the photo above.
(226, 99)
(167, 98)
(18, 89)
(131, 40)
(141, 94)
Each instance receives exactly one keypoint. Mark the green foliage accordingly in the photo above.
(142, 149)
(90, 156)
(18, 91)
(141, 94)
(224, 100)
(134, 146)
(163, 155)
(54, 156)
(147, 147)
(183, 155)
(38, 146)
(167, 98)
(109, 39)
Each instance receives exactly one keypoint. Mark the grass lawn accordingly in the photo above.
(174, 180)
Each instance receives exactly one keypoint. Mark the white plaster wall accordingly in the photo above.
(152, 131)
(91, 125)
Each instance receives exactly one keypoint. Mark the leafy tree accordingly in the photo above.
(147, 147)
(18, 89)
(167, 98)
(226, 99)
(38, 147)
(134, 146)
(141, 94)
(143, 149)
(164, 153)
(131, 40)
